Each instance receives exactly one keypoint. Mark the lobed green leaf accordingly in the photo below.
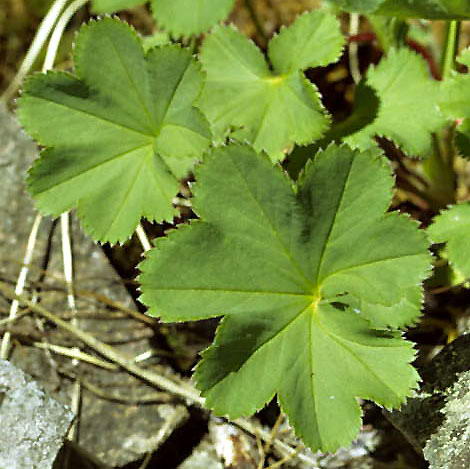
(190, 17)
(289, 267)
(111, 6)
(455, 94)
(271, 109)
(452, 226)
(119, 135)
(427, 9)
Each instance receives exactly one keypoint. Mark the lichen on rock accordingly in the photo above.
(449, 447)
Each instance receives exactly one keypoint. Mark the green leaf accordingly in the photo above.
(110, 6)
(120, 134)
(455, 94)
(158, 38)
(428, 9)
(316, 39)
(281, 263)
(272, 109)
(363, 6)
(408, 114)
(452, 226)
(454, 99)
(464, 57)
(188, 17)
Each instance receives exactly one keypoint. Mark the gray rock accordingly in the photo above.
(33, 424)
(204, 456)
(436, 421)
(449, 447)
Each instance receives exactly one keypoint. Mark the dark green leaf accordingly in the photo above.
(120, 134)
(275, 260)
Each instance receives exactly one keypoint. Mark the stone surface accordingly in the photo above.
(437, 418)
(33, 425)
(449, 447)
(204, 456)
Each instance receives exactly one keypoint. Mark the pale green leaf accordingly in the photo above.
(288, 266)
(455, 96)
(452, 226)
(120, 134)
(464, 57)
(110, 6)
(408, 113)
(314, 37)
(428, 9)
(156, 39)
(271, 109)
(363, 6)
(188, 17)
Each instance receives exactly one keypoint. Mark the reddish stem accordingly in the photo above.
(362, 37)
(424, 52)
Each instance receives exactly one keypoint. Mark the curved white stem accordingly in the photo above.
(142, 235)
(354, 21)
(51, 54)
(39, 40)
(20, 283)
(59, 32)
(67, 258)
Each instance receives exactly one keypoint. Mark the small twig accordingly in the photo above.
(353, 48)
(262, 454)
(146, 399)
(144, 356)
(20, 284)
(105, 300)
(75, 406)
(285, 459)
(146, 460)
(67, 257)
(76, 354)
(439, 290)
(283, 449)
(18, 316)
(142, 235)
(109, 352)
(124, 399)
(274, 432)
